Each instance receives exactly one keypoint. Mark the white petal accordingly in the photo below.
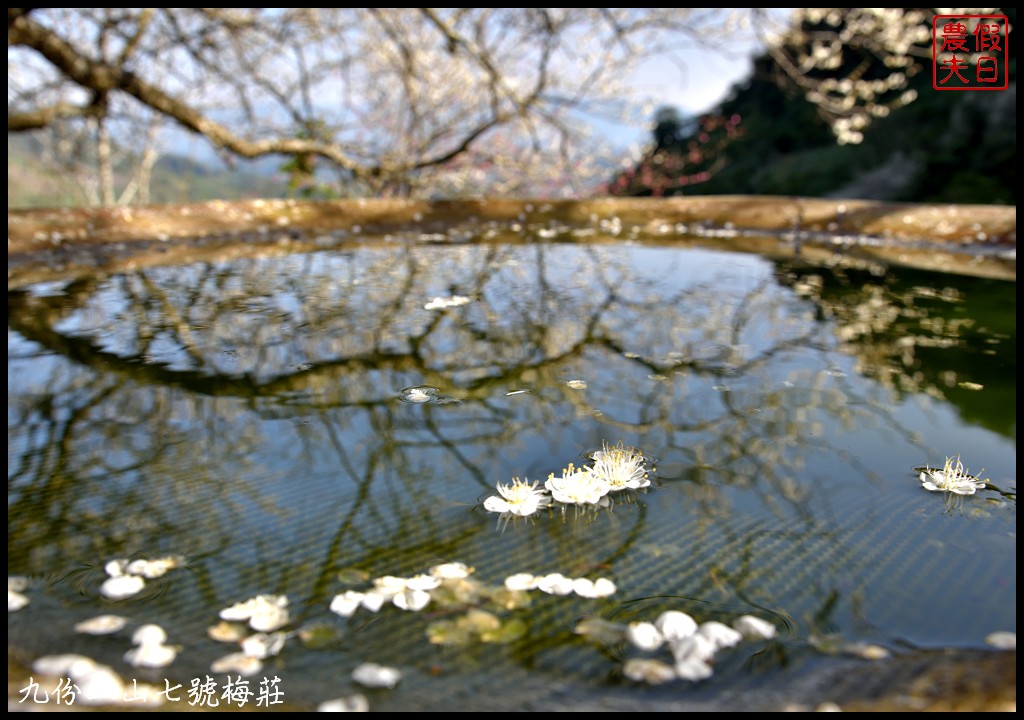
(423, 582)
(66, 665)
(693, 668)
(101, 625)
(675, 625)
(755, 628)
(411, 599)
(555, 584)
(239, 663)
(720, 634)
(149, 635)
(115, 568)
(451, 571)
(263, 645)
(373, 601)
(521, 581)
(151, 655)
(268, 618)
(352, 703)
(389, 585)
(644, 635)
(122, 586)
(346, 603)
(15, 600)
(693, 648)
(653, 672)
(100, 685)
(603, 587)
(374, 675)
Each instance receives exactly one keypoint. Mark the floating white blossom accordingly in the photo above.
(101, 625)
(621, 467)
(97, 684)
(152, 568)
(555, 584)
(225, 631)
(151, 656)
(150, 650)
(694, 647)
(720, 634)
(587, 588)
(373, 600)
(15, 600)
(264, 645)
(644, 635)
(351, 703)
(754, 628)
(389, 585)
(451, 571)
(441, 303)
(116, 568)
(238, 663)
(693, 669)
(119, 587)
(952, 478)
(411, 599)
(377, 676)
(650, 671)
(423, 582)
(346, 603)
(675, 625)
(264, 613)
(417, 395)
(521, 581)
(577, 486)
(520, 497)
(576, 384)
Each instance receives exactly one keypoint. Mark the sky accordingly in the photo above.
(694, 79)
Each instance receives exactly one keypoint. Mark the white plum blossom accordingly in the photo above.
(952, 478)
(578, 486)
(520, 497)
(755, 628)
(264, 613)
(623, 468)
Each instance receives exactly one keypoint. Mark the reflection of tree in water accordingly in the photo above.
(914, 337)
(250, 412)
(323, 342)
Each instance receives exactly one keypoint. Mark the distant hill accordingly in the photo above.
(944, 147)
(175, 179)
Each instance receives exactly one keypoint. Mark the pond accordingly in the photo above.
(312, 448)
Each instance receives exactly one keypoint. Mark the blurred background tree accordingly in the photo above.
(841, 104)
(437, 102)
